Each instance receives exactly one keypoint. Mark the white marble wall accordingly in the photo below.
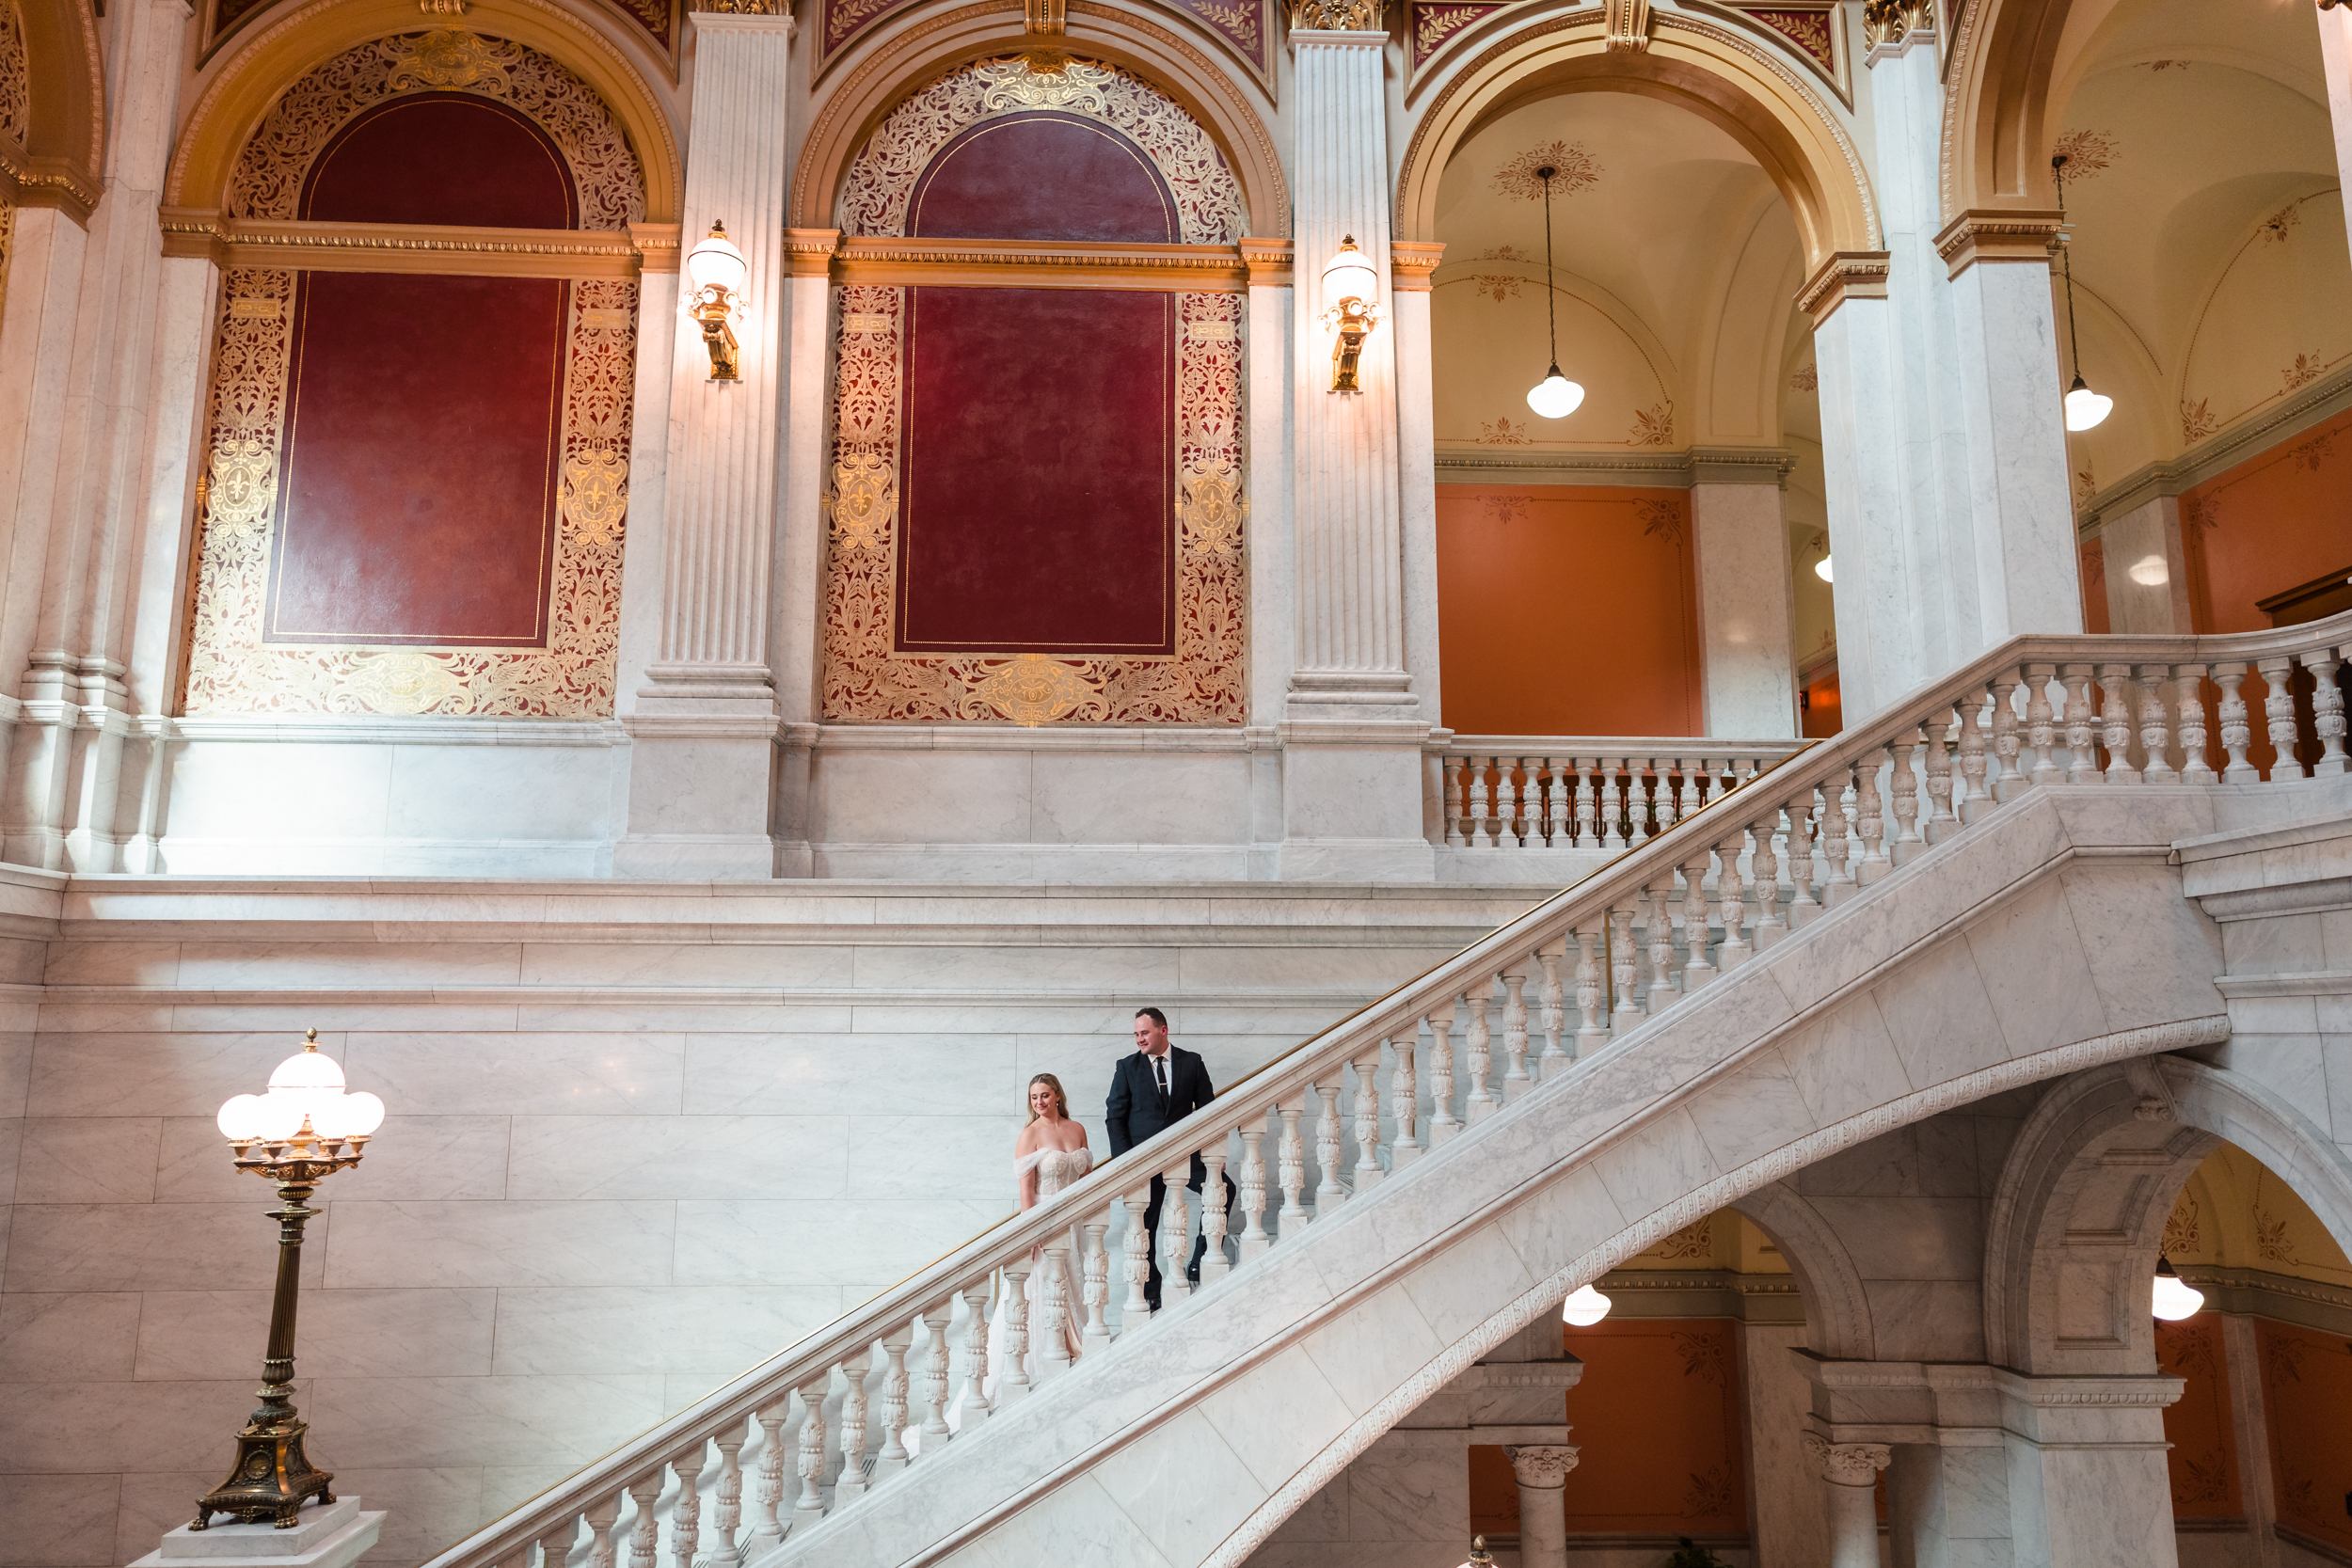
(642, 1137)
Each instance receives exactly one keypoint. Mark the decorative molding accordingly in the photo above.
(1270, 262)
(1997, 234)
(1847, 274)
(1459, 464)
(402, 248)
(1847, 1463)
(1038, 263)
(1543, 1465)
(1412, 261)
(2312, 406)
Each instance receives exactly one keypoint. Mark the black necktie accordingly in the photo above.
(1159, 1072)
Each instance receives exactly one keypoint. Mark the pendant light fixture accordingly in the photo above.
(2084, 407)
(2173, 1298)
(1555, 397)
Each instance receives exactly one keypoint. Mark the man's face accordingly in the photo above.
(1150, 1036)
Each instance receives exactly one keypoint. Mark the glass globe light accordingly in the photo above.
(1821, 569)
(2084, 407)
(307, 1069)
(2150, 571)
(2174, 1298)
(1348, 276)
(716, 263)
(240, 1120)
(1584, 1309)
(347, 1115)
(1555, 397)
(278, 1115)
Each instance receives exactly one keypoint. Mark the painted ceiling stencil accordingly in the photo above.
(659, 19)
(1809, 30)
(1433, 25)
(1245, 26)
(1573, 169)
(2086, 152)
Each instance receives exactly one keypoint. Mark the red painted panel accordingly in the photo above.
(449, 158)
(1036, 481)
(420, 471)
(1042, 176)
(2203, 1462)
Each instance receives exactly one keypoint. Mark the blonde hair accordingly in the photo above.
(1062, 1101)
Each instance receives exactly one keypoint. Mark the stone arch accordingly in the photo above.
(250, 82)
(1726, 79)
(2005, 74)
(2078, 1216)
(1837, 1309)
(905, 61)
(60, 157)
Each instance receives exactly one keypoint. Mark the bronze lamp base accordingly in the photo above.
(272, 1478)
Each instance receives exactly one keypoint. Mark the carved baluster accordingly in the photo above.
(1215, 1265)
(1292, 1157)
(1515, 1079)
(2278, 708)
(1625, 966)
(1686, 796)
(1972, 757)
(1554, 1015)
(1941, 824)
(1651, 806)
(1454, 801)
(1175, 1236)
(936, 1379)
(644, 1533)
(973, 1401)
(1404, 1100)
(2156, 726)
(896, 1382)
(1531, 804)
(849, 1484)
(555, 1546)
(2237, 733)
(1660, 994)
(810, 1465)
(1098, 1281)
(1802, 866)
(2041, 724)
(1903, 789)
(1368, 1171)
(1478, 1042)
(1871, 819)
(2002, 779)
(767, 1528)
(1506, 803)
(1560, 802)
(1442, 1127)
(1137, 1250)
(727, 1518)
(1587, 809)
(1611, 804)
(1591, 995)
(1697, 971)
(1054, 1296)
(686, 1535)
(1731, 904)
(1254, 1239)
(2082, 762)
(2327, 710)
(1013, 1382)
(1487, 788)
(601, 1516)
(2115, 723)
(1764, 866)
(1836, 840)
(1329, 1194)
(2196, 764)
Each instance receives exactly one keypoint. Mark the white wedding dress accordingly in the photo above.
(1056, 1168)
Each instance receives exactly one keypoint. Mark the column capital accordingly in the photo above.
(657, 245)
(1997, 234)
(809, 252)
(1847, 1463)
(1543, 1464)
(1411, 261)
(1270, 262)
(1847, 274)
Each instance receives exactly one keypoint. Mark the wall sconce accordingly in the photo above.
(1351, 295)
(717, 270)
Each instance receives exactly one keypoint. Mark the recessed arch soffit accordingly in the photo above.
(248, 82)
(1794, 133)
(51, 128)
(655, 28)
(1814, 34)
(1244, 30)
(905, 58)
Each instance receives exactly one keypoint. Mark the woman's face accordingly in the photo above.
(1041, 1100)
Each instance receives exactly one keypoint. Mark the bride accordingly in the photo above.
(1050, 1154)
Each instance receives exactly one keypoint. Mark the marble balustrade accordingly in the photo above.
(1750, 865)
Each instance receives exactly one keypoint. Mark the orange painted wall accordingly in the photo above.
(2275, 521)
(2204, 1458)
(1658, 1415)
(2094, 556)
(2307, 1391)
(1563, 609)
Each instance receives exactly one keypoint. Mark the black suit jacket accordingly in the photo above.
(1136, 1111)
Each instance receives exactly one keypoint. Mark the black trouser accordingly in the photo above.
(1200, 1243)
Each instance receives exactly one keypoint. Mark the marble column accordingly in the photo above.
(800, 542)
(705, 723)
(1353, 726)
(1849, 1470)
(2335, 57)
(2147, 568)
(2249, 1423)
(1273, 602)
(2088, 1481)
(1542, 1470)
(1747, 603)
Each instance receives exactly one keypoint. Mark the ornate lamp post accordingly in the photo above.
(303, 1130)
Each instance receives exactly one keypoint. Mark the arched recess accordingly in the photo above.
(1837, 1309)
(1694, 63)
(2077, 1218)
(250, 80)
(62, 156)
(928, 46)
(2010, 63)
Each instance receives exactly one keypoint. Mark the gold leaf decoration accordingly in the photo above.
(244, 486)
(1212, 512)
(407, 683)
(595, 492)
(864, 498)
(1034, 689)
(440, 61)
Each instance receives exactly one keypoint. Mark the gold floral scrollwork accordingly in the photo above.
(407, 683)
(865, 499)
(442, 59)
(244, 486)
(1336, 16)
(1031, 688)
(1212, 512)
(596, 494)
(1892, 20)
(1018, 84)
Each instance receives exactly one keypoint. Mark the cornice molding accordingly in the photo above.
(408, 248)
(1412, 261)
(1063, 264)
(1997, 234)
(2218, 454)
(1847, 274)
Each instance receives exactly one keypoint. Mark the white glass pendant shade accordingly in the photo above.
(1821, 569)
(308, 1069)
(241, 1119)
(2150, 571)
(347, 1115)
(716, 263)
(2174, 1298)
(1348, 276)
(2085, 408)
(1555, 397)
(1585, 1308)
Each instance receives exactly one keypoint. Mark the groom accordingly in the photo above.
(1152, 1092)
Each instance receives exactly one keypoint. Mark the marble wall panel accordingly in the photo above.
(58, 1521)
(424, 1423)
(760, 1241)
(427, 1242)
(154, 1501)
(1166, 1483)
(661, 1157)
(148, 1246)
(614, 1329)
(109, 1428)
(107, 1074)
(944, 1074)
(519, 1074)
(55, 1336)
(422, 1331)
(89, 1160)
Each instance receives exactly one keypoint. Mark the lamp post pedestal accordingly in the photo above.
(334, 1535)
(273, 1477)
